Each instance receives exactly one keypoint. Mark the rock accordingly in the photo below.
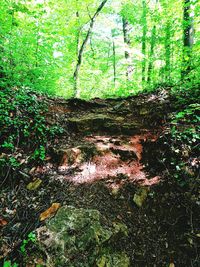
(107, 123)
(116, 260)
(140, 196)
(34, 185)
(75, 155)
(89, 122)
(75, 237)
(144, 111)
(122, 127)
(115, 192)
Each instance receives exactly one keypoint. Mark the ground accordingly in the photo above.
(107, 160)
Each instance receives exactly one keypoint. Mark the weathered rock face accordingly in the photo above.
(123, 116)
(100, 122)
(76, 237)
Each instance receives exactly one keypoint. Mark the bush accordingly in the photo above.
(23, 126)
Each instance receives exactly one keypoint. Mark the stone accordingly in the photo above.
(89, 122)
(100, 122)
(144, 111)
(76, 237)
(34, 185)
(140, 196)
(114, 260)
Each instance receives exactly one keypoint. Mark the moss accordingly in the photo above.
(76, 237)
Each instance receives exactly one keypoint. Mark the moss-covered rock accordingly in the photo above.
(113, 260)
(76, 237)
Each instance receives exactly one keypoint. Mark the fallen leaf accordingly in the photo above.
(49, 212)
(3, 155)
(32, 170)
(40, 261)
(22, 161)
(10, 212)
(3, 222)
(47, 158)
(34, 185)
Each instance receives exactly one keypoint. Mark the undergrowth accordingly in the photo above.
(182, 138)
(23, 128)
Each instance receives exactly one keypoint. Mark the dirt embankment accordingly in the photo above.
(99, 163)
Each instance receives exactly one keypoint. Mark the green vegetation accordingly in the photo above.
(23, 126)
(57, 152)
(9, 264)
(90, 48)
(184, 143)
(30, 239)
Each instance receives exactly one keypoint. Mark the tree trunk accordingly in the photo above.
(11, 60)
(78, 34)
(188, 31)
(37, 47)
(114, 63)
(144, 21)
(167, 51)
(83, 45)
(127, 43)
(151, 55)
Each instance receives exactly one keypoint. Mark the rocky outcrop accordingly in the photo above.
(90, 123)
(112, 116)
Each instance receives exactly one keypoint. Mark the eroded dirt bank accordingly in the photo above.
(98, 164)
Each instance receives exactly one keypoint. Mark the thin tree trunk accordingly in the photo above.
(144, 21)
(114, 63)
(108, 57)
(77, 29)
(82, 47)
(127, 42)
(167, 51)
(188, 31)
(37, 48)
(11, 61)
(151, 56)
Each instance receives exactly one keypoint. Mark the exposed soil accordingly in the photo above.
(100, 162)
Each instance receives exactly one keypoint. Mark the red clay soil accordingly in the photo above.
(116, 156)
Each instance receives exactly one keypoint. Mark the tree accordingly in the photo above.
(151, 54)
(127, 42)
(144, 22)
(188, 40)
(167, 51)
(83, 45)
(43, 44)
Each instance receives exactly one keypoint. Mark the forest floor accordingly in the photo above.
(107, 160)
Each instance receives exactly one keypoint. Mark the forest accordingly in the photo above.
(99, 133)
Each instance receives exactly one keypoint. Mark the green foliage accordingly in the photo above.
(184, 142)
(23, 126)
(21, 119)
(38, 53)
(186, 126)
(185, 94)
(39, 153)
(30, 239)
(9, 264)
(25, 246)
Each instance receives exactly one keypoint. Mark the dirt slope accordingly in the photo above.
(99, 164)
